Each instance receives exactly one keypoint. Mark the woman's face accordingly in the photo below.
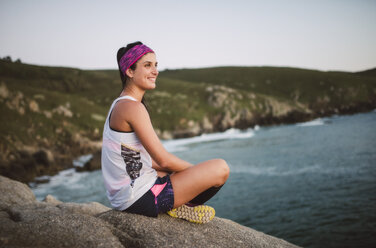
(146, 72)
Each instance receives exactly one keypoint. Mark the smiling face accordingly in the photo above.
(146, 72)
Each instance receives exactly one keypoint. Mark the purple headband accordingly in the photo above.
(132, 55)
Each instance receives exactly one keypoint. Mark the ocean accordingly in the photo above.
(312, 184)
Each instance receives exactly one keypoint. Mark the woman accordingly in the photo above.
(139, 174)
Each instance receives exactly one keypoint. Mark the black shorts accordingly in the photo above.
(158, 199)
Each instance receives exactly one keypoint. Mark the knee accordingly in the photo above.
(223, 171)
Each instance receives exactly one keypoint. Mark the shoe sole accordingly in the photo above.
(199, 214)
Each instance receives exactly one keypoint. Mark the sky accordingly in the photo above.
(313, 34)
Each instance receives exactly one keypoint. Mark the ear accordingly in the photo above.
(129, 72)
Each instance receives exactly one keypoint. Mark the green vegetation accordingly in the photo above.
(57, 107)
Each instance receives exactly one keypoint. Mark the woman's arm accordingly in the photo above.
(136, 115)
(157, 167)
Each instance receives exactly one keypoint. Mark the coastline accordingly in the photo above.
(91, 161)
(52, 117)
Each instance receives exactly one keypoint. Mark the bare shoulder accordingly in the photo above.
(126, 109)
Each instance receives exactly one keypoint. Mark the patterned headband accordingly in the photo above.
(132, 55)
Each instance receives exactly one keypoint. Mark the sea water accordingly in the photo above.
(312, 184)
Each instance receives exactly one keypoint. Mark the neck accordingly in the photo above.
(133, 92)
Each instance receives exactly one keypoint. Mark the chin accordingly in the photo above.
(151, 86)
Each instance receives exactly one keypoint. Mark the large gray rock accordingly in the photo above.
(25, 222)
(90, 208)
(14, 193)
(166, 231)
(43, 225)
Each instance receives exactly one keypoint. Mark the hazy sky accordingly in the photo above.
(317, 34)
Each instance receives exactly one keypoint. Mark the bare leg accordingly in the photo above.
(189, 183)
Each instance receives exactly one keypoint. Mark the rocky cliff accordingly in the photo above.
(26, 222)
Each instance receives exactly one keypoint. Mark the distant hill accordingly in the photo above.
(370, 73)
(62, 110)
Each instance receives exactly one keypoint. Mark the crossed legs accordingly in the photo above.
(191, 183)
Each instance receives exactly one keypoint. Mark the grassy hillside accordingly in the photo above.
(286, 83)
(63, 109)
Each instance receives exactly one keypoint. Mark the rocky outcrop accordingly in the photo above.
(31, 162)
(26, 222)
(14, 193)
(94, 163)
(165, 231)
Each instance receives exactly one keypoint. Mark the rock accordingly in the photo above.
(48, 114)
(206, 125)
(27, 151)
(277, 108)
(93, 164)
(91, 208)
(166, 135)
(21, 110)
(44, 157)
(194, 127)
(219, 94)
(33, 106)
(43, 225)
(4, 92)
(217, 99)
(98, 117)
(165, 231)
(31, 162)
(14, 193)
(26, 222)
(85, 144)
(51, 200)
(227, 121)
(15, 102)
(63, 110)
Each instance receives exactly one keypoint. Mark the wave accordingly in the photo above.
(316, 122)
(180, 144)
(275, 171)
(68, 178)
(82, 160)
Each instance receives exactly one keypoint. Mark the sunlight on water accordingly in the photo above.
(315, 122)
(181, 144)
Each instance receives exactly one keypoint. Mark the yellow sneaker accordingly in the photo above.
(199, 214)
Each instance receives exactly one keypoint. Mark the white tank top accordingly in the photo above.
(126, 165)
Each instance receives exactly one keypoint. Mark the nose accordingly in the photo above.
(155, 70)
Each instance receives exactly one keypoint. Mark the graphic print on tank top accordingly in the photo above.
(132, 161)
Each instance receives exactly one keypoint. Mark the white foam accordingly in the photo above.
(316, 122)
(42, 178)
(67, 177)
(179, 144)
(82, 160)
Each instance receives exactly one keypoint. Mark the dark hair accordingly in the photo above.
(123, 76)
